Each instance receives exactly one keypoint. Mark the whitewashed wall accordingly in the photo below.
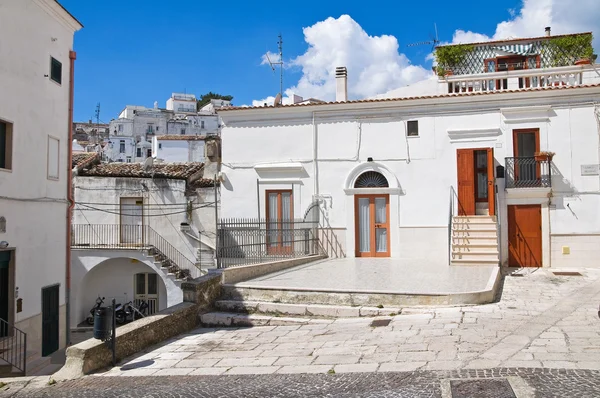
(424, 166)
(38, 108)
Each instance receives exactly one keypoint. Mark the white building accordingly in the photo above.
(138, 233)
(407, 177)
(35, 141)
(182, 103)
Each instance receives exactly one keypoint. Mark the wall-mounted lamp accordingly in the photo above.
(3, 244)
(369, 159)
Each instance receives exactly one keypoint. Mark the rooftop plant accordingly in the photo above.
(448, 57)
(567, 49)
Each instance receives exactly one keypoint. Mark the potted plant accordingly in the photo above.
(544, 156)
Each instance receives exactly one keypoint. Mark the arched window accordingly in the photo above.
(371, 179)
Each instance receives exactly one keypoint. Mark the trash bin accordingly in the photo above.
(103, 323)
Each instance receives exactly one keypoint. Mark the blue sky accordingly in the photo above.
(137, 52)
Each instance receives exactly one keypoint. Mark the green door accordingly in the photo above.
(4, 285)
(50, 320)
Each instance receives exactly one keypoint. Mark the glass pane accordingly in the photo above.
(481, 159)
(152, 284)
(380, 211)
(286, 215)
(364, 225)
(140, 283)
(482, 189)
(525, 145)
(272, 216)
(381, 240)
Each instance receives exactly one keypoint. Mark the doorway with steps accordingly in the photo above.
(476, 188)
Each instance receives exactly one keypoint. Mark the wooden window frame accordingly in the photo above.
(279, 248)
(515, 133)
(8, 145)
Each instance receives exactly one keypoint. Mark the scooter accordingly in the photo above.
(128, 312)
(90, 319)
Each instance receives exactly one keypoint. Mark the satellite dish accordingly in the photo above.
(277, 101)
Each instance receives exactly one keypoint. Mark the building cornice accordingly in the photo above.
(59, 13)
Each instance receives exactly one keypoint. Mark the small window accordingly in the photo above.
(157, 128)
(5, 145)
(182, 131)
(122, 146)
(159, 145)
(139, 153)
(55, 70)
(202, 124)
(150, 128)
(413, 128)
(128, 159)
(53, 158)
(120, 128)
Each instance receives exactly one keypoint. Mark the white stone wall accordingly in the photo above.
(35, 207)
(422, 168)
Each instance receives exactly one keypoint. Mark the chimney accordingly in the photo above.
(341, 83)
(548, 31)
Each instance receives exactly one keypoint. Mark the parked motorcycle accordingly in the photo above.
(129, 312)
(90, 319)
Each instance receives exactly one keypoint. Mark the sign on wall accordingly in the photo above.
(590, 169)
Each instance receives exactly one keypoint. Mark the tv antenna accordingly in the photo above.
(433, 42)
(97, 114)
(280, 63)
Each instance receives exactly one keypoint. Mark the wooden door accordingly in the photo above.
(280, 226)
(132, 220)
(466, 182)
(491, 182)
(372, 225)
(525, 236)
(50, 320)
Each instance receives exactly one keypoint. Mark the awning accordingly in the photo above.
(520, 49)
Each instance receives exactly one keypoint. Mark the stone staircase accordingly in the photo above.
(474, 240)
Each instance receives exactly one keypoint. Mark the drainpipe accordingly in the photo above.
(72, 58)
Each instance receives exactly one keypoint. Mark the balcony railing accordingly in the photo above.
(132, 237)
(516, 79)
(528, 172)
(13, 346)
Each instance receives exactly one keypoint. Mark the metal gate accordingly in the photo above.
(146, 289)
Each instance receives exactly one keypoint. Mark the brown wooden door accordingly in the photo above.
(466, 182)
(372, 224)
(280, 225)
(491, 185)
(525, 236)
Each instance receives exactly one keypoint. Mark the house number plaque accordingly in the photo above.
(590, 169)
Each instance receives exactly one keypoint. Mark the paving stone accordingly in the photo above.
(173, 372)
(247, 362)
(401, 366)
(304, 369)
(356, 368)
(294, 361)
(252, 370)
(208, 371)
(336, 359)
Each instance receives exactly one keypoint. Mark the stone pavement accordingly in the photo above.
(541, 321)
(522, 383)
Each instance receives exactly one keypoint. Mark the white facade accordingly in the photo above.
(318, 152)
(178, 149)
(185, 103)
(34, 108)
(164, 204)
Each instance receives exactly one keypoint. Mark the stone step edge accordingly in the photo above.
(310, 310)
(220, 319)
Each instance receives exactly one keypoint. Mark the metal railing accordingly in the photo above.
(528, 172)
(244, 241)
(13, 346)
(137, 237)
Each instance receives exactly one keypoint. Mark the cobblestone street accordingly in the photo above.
(541, 383)
(542, 336)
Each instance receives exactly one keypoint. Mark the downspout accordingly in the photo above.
(72, 58)
(315, 166)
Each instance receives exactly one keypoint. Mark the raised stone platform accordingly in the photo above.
(371, 282)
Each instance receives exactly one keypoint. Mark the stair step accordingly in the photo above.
(474, 240)
(470, 261)
(474, 227)
(310, 310)
(37, 365)
(471, 248)
(475, 256)
(491, 234)
(474, 219)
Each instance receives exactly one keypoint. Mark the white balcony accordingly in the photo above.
(522, 79)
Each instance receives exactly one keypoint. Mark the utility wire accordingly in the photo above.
(137, 214)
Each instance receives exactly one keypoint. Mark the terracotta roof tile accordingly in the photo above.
(179, 171)
(467, 94)
(181, 137)
(82, 159)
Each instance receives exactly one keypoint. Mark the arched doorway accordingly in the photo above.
(372, 216)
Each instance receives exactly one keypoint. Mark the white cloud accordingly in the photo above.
(564, 16)
(374, 63)
(273, 57)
